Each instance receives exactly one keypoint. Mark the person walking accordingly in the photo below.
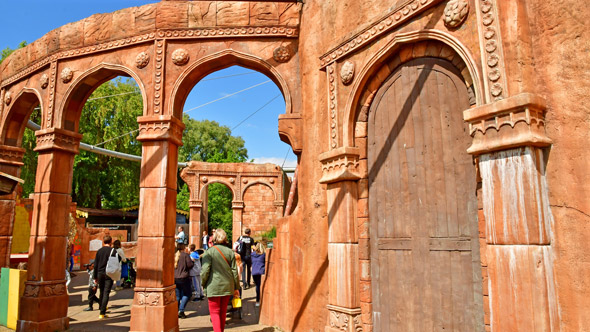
(245, 252)
(220, 278)
(182, 267)
(180, 236)
(205, 240)
(91, 287)
(117, 247)
(258, 267)
(101, 279)
(196, 273)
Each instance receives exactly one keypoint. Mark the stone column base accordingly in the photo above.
(154, 309)
(44, 307)
(344, 319)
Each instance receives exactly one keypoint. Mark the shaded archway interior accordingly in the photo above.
(17, 118)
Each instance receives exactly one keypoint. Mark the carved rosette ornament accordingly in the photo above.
(180, 57)
(281, 54)
(66, 75)
(44, 80)
(7, 98)
(455, 13)
(347, 72)
(142, 60)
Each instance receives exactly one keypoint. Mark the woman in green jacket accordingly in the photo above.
(220, 278)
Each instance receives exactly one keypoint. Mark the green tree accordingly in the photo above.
(8, 51)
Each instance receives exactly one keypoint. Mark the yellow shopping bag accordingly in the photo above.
(236, 302)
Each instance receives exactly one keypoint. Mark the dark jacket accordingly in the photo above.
(219, 277)
(248, 242)
(258, 263)
(100, 261)
(184, 266)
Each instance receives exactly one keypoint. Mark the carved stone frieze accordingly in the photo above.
(142, 60)
(163, 127)
(51, 103)
(281, 54)
(44, 288)
(169, 296)
(149, 298)
(332, 106)
(11, 155)
(8, 98)
(397, 17)
(455, 13)
(340, 165)
(67, 74)
(54, 290)
(58, 139)
(508, 123)
(44, 81)
(347, 72)
(491, 50)
(344, 319)
(180, 57)
(31, 290)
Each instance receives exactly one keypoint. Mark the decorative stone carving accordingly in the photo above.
(232, 180)
(347, 72)
(44, 80)
(204, 179)
(346, 320)
(492, 52)
(332, 106)
(291, 131)
(11, 155)
(455, 13)
(169, 296)
(271, 180)
(164, 127)
(180, 57)
(142, 60)
(31, 290)
(148, 298)
(158, 86)
(244, 181)
(8, 98)
(50, 105)
(66, 75)
(512, 122)
(340, 164)
(58, 139)
(281, 54)
(55, 289)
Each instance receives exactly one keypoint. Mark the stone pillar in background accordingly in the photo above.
(154, 305)
(508, 137)
(196, 231)
(237, 211)
(341, 172)
(11, 160)
(44, 305)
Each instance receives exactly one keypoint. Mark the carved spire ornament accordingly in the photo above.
(455, 13)
(180, 57)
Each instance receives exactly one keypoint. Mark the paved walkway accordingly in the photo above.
(120, 306)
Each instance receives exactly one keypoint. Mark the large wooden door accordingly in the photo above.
(424, 238)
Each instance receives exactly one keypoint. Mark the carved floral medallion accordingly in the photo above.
(44, 81)
(66, 75)
(142, 60)
(8, 98)
(281, 54)
(455, 13)
(180, 57)
(347, 72)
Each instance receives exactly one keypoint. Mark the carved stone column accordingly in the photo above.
(341, 172)
(237, 211)
(196, 228)
(508, 137)
(44, 305)
(10, 163)
(154, 305)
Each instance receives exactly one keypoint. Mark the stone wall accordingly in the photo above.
(260, 213)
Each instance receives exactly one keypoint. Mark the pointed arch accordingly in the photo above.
(17, 116)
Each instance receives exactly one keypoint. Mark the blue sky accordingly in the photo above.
(29, 20)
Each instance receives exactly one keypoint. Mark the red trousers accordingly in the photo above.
(218, 311)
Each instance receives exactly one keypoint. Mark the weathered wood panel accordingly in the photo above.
(425, 262)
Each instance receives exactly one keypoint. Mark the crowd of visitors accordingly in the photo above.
(212, 271)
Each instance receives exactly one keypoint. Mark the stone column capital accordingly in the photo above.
(58, 139)
(160, 128)
(195, 203)
(344, 319)
(512, 122)
(341, 164)
(11, 155)
(237, 205)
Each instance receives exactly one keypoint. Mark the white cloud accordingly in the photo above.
(289, 163)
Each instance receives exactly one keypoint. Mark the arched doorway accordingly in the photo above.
(425, 260)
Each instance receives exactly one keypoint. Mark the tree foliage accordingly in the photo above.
(8, 51)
